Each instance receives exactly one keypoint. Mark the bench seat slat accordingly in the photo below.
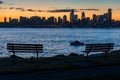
(23, 48)
(27, 51)
(96, 50)
(25, 44)
(99, 47)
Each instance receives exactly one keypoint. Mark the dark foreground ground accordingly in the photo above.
(97, 73)
(71, 67)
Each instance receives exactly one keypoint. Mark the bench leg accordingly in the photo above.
(14, 57)
(106, 56)
(37, 56)
(87, 55)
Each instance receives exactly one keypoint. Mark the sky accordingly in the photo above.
(47, 8)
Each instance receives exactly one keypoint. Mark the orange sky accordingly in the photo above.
(103, 5)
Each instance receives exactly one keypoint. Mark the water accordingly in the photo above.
(56, 40)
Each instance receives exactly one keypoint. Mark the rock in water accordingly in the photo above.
(76, 43)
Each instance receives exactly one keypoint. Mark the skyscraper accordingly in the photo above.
(10, 19)
(5, 19)
(109, 14)
(72, 16)
(64, 19)
(83, 15)
(59, 20)
(75, 17)
(94, 17)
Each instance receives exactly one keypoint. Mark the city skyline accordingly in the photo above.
(106, 16)
(47, 8)
(97, 21)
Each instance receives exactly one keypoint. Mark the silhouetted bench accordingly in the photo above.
(25, 48)
(106, 47)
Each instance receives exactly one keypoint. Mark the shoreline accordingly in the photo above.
(57, 63)
(60, 67)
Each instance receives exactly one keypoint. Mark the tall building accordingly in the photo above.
(23, 20)
(55, 20)
(51, 20)
(59, 20)
(10, 19)
(105, 16)
(83, 15)
(75, 17)
(43, 19)
(14, 21)
(109, 14)
(94, 17)
(5, 19)
(64, 19)
(72, 16)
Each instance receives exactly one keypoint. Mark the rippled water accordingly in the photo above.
(56, 40)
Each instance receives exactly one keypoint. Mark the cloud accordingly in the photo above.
(1, 2)
(11, 4)
(52, 11)
(61, 10)
(12, 8)
(31, 10)
(90, 9)
(40, 10)
(3, 7)
(118, 9)
(69, 10)
(21, 9)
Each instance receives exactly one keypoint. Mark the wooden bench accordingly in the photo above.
(25, 48)
(106, 47)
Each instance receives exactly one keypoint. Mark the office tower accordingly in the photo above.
(10, 19)
(51, 20)
(83, 15)
(94, 17)
(75, 17)
(14, 21)
(23, 20)
(72, 16)
(55, 20)
(64, 19)
(5, 19)
(105, 16)
(59, 20)
(109, 14)
(43, 19)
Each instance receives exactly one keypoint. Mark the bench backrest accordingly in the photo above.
(28, 48)
(99, 47)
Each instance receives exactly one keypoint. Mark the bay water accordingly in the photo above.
(56, 41)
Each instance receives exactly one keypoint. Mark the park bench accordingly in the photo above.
(105, 47)
(24, 48)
